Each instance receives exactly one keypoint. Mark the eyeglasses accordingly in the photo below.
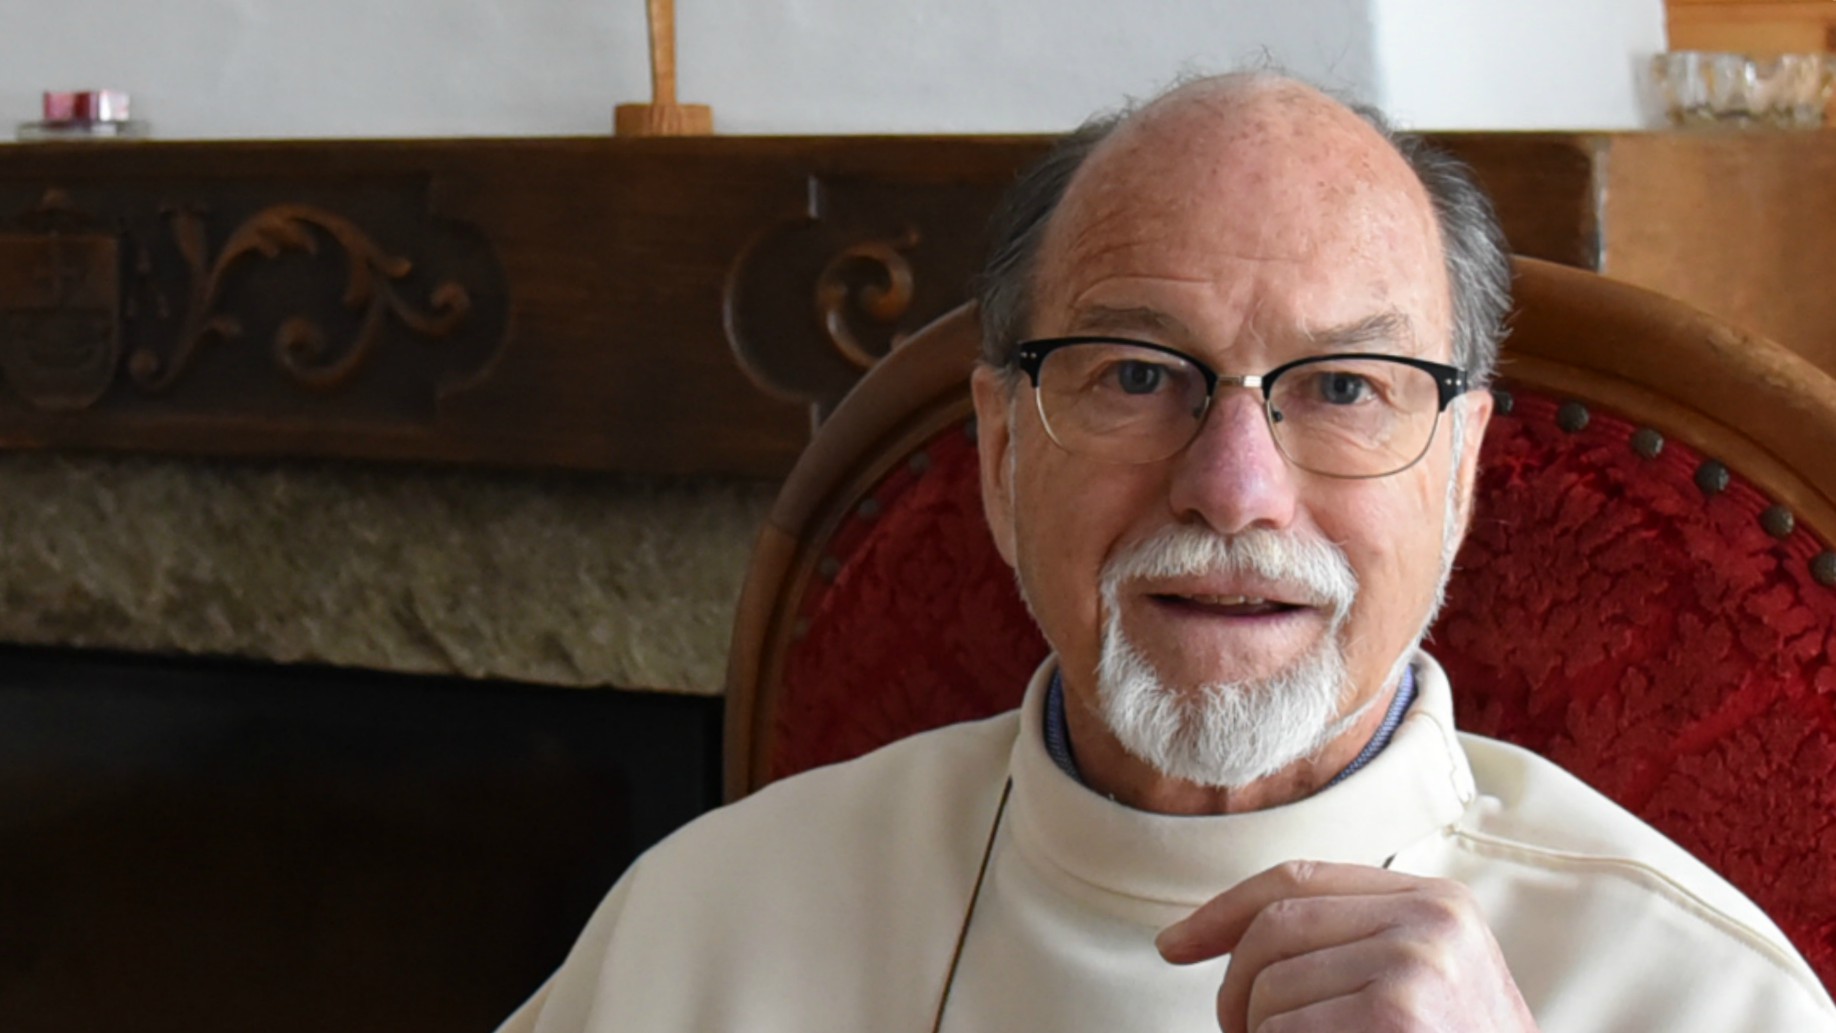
(1356, 415)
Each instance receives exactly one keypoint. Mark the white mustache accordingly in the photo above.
(1312, 564)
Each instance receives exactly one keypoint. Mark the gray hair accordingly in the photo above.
(1478, 261)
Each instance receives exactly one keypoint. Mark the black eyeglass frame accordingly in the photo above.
(1450, 381)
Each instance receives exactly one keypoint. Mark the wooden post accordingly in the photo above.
(663, 116)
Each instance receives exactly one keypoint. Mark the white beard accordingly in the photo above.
(1228, 734)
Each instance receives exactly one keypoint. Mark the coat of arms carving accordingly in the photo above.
(60, 326)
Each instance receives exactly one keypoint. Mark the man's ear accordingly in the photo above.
(1478, 417)
(995, 441)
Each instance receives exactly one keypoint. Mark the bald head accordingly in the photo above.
(1228, 111)
(1252, 144)
(1228, 179)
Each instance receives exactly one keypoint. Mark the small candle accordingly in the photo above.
(84, 115)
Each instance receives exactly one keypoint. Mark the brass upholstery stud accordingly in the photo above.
(868, 509)
(1502, 401)
(919, 462)
(801, 628)
(1648, 443)
(1823, 568)
(1572, 417)
(144, 365)
(1712, 477)
(829, 568)
(1778, 521)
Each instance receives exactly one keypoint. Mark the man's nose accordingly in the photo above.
(1232, 476)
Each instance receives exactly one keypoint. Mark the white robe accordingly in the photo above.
(832, 901)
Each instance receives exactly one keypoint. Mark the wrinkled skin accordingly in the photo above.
(1318, 947)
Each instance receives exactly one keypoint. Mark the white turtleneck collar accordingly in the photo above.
(1155, 868)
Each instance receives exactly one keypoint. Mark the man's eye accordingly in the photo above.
(1138, 378)
(1343, 388)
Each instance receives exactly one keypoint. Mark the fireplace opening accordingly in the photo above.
(210, 846)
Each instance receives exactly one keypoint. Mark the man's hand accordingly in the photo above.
(1334, 947)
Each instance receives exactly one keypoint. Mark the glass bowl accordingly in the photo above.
(1706, 88)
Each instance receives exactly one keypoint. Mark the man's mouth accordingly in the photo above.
(1227, 605)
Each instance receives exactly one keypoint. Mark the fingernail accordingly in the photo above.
(1170, 939)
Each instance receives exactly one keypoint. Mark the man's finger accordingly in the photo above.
(1289, 946)
(1256, 992)
(1215, 927)
(1350, 1012)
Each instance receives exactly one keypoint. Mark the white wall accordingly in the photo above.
(992, 65)
(244, 68)
(1547, 64)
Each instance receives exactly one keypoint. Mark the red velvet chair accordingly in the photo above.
(1647, 596)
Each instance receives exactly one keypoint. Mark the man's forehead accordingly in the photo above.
(1386, 329)
(1275, 119)
(1241, 193)
(1311, 182)
(1250, 139)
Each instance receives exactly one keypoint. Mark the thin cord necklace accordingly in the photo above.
(962, 934)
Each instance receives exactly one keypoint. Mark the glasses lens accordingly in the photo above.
(1120, 402)
(1354, 417)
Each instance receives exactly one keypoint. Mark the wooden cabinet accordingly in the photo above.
(1753, 26)
(672, 307)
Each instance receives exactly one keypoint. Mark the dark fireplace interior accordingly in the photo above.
(207, 847)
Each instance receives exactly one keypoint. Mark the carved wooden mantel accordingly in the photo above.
(652, 306)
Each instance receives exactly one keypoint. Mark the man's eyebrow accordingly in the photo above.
(1132, 320)
(1392, 329)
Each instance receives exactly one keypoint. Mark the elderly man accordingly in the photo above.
(1230, 413)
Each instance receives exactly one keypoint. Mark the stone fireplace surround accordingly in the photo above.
(550, 578)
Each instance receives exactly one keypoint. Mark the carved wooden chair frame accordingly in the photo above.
(1757, 407)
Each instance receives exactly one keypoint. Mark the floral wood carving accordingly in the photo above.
(883, 302)
(815, 299)
(301, 345)
(243, 308)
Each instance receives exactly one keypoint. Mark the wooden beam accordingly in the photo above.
(677, 306)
